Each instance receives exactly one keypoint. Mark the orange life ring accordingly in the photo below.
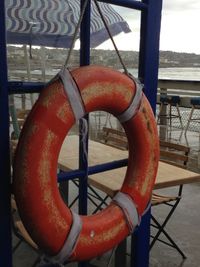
(46, 217)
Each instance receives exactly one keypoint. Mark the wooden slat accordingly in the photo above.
(174, 146)
(176, 155)
(116, 142)
(114, 131)
(114, 138)
(173, 156)
(162, 199)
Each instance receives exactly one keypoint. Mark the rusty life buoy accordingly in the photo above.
(48, 220)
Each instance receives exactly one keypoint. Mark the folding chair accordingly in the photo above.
(166, 114)
(174, 154)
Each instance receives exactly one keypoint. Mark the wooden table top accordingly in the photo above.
(111, 181)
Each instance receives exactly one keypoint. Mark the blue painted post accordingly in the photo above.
(83, 148)
(148, 74)
(85, 36)
(140, 243)
(5, 222)
(149, 49)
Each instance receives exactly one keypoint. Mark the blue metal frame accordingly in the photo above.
(16, 87)
(5, 221)
(64, 176)
(149, 49)
(127, 3)
(83, 147)
(148, 74)
(83, 142)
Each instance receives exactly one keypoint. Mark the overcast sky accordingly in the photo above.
(180, 27)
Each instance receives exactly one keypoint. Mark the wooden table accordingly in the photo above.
(110, 181)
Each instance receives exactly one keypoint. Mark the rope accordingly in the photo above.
(110, 35)
(84, 133)
(107, 28)
(76, 32)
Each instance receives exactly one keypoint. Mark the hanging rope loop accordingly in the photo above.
(111, 37)
(107, 28)
(76, 32)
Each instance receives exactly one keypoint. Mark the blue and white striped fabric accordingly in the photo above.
(52, 22)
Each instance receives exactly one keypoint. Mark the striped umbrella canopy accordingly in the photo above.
(52, 22)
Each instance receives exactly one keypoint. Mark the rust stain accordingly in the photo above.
(149, 127)
(51, 92)
(144, 111)
(63, 111)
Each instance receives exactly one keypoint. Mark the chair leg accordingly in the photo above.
(162, 115)
(158, 118)
(74, 201)
(161, 227)
(172, 243)
(103, 202)
(16, 246)
(189, 119)
(90, 197)
(179, 115)
(170, 115)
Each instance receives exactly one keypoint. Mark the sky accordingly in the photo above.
(180, 27)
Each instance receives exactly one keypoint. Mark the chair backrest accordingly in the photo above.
(115, 138)
(174, 154)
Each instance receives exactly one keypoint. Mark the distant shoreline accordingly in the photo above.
(168, 59)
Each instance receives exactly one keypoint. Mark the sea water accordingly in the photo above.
(186, 74)
(180, 73)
